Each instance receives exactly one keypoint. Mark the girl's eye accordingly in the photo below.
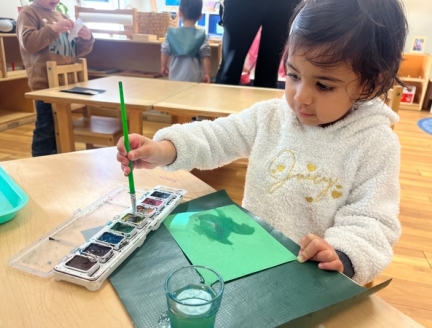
(323, 87)
(293, 77)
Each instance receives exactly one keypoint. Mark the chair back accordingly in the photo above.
(59, 75)
(89, 129)
(394, 98)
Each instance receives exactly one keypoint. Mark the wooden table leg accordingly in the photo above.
(63, 128)
(135, 120)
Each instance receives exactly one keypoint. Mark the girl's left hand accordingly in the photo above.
(317, 249)
(85, 33)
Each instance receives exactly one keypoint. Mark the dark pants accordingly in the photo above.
(44, 142)
(241, 21)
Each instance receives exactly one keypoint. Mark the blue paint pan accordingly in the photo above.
(12, 197)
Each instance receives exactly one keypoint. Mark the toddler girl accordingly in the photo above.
(323, 162)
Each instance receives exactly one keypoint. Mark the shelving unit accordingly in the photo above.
(415, 71)
(124, 55)
(15, 109)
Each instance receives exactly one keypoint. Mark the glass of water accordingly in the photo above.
(194, 295)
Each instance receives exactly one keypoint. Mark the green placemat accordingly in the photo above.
(291, 294)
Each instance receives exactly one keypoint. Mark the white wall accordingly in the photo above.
(8, 8)
(144, 5)
(419, 13)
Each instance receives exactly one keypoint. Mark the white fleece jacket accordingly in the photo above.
(340, 182)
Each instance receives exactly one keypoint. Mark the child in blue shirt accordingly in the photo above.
(186, 47)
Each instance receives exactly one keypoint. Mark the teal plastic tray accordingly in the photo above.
(12, 197)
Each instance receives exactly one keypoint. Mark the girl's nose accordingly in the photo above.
(303, 94)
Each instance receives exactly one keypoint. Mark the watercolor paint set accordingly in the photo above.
(87, 248)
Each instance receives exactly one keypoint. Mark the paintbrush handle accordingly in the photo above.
(126, 137)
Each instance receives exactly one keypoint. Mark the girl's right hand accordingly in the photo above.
(145, 153)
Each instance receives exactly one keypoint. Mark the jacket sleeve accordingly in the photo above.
(84, 46)
(205, 50)
(31, 38)
(165, 47)
(367, 226)
(210, 144)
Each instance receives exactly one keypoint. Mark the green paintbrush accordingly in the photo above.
(127, 146)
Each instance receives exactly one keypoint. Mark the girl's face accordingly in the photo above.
(48, 4)
(319, 95)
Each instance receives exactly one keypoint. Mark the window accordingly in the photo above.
(213, 26)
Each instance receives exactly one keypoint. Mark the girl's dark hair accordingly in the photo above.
(368, 34)
(191, 9)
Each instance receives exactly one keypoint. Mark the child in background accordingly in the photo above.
(43, 36)
(187, 47)
(323, 162)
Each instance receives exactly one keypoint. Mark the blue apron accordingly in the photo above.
(185, 41)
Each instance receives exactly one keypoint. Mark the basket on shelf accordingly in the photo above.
(155, 23)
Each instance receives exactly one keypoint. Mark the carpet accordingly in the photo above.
(425, 124)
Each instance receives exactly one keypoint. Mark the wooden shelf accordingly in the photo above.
(413, 106)
(415, 71)
(133, 55)
(15, 77)
(412, 79)
(135, 73)
(151, 75)
(100, 73)
(16, 74)
(15, 109)
(11, 119)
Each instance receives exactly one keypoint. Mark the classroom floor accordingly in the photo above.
(411, 269)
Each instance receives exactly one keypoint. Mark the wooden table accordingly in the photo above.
(214, 100)
(58, 185)
(140, 94)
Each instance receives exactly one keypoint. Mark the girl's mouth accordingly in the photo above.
(304, 114)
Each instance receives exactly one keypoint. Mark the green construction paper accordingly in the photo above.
(227, 240)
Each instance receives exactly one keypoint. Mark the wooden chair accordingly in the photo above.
(89, 129)
(394, 98)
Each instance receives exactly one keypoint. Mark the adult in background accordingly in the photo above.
(241, 21)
